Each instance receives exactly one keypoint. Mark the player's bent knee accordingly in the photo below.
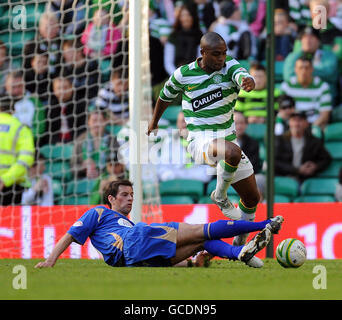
(232, 153)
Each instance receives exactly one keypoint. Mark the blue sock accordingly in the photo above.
(222, 249)
(229, 228)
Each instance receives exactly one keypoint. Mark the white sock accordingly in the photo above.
(225, 175)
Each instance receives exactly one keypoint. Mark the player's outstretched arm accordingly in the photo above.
(159, 109)
(60, 247)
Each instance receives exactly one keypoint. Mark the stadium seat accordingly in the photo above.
(257, 131)
(319, 186)
(278, 71)
(335, 149)
(280, 198)
(15, 41)
(171, 114)
(60, 152)
(181, 187)
(317, 132)
(212, 186)
(57, 188)
(176, 200)
(105, 67)
(206, 199)
(84, 200)
(262, 151)
(333, 132)
(58, 170)
(332, 171)
(286, 186)
(80, 187)
(336, 114)
(323, 198)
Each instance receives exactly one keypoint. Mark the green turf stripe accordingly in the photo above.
(288, 253)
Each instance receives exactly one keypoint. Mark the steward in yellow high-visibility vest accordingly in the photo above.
(16, 155)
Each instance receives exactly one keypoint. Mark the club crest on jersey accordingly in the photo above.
(217, 78)
(206, 99)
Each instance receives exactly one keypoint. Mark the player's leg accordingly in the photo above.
(222, 249)
(249, 198)
(227, 156)
(186, 251)
(194, 234)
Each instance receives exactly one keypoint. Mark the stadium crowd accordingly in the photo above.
(68, 87)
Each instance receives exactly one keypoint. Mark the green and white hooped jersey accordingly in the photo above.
(311, 100)
(208, 100)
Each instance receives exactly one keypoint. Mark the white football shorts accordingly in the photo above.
(198, 148)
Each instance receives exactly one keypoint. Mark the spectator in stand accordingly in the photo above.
(159, 27)
(300, 12)
(4, 66)
(287, 106)
(176, 161)
(250, 147)
(47, 39)
(235, 31)
(253, 104)
(182, 46)
(325, 62)
(66, 112)
(71, 15)
(37, 76)
(40, 191)
(254, 13)
(16, 154)
(101, 36)
(284, 37)
(160, 30)
(298, 153)
(311, 94)
(206, 14)
(27, 108)
(166, 8)
(114, 171)
(85, 72)
(91, 149)
(113, 97)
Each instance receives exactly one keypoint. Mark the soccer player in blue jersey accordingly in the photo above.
(123, 243)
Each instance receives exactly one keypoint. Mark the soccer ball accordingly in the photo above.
(291, 253)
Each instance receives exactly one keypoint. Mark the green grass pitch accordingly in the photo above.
(223, 280)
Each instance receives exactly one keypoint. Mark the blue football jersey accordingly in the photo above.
(106, 229)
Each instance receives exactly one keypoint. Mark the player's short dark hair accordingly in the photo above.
(305, 57)
(113, 188)
(257, 67)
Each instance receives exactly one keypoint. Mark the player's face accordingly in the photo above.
(215, 57)
(123, 201)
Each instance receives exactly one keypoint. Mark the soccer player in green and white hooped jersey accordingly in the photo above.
(209, 88)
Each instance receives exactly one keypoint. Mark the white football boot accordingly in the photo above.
(275, 225)
(258, 243)
(227, 207)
